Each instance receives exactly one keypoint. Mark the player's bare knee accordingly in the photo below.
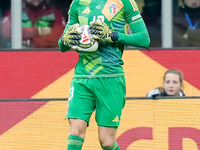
(77, 132)
(107, 144)
(106, 141)
(77, 127)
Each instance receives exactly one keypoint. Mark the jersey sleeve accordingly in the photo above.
(140, 36)
(72, 19)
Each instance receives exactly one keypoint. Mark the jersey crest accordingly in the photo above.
(111, 8)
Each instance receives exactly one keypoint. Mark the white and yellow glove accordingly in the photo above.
(100, 30)
(72, 36)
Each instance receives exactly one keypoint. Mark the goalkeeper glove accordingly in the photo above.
(72, 36)
(100, 30)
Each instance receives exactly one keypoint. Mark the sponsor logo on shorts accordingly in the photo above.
(116, 119)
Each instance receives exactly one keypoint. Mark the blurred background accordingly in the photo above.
(35, 78)
(167, 28)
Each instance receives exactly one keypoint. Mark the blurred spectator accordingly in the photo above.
(42, 25)
(186, 25)
(172, 85)
(4, 5)
(62, 6)
(152, 17)
(151, 13)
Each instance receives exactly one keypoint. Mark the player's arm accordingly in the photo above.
(140, 35)
(69, 31)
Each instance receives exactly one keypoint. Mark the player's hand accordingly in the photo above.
(100, 30)
(44, 31)
(72, 36)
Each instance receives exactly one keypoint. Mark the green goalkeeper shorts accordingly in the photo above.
(105, 95)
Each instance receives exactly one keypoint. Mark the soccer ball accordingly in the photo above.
(87, 42)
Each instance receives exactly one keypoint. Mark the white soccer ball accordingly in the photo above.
(87, 42)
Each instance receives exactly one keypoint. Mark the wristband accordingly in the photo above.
(114, 36)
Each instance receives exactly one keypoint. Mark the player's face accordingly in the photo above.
(172, 84)
(192, 3)
(34, 2)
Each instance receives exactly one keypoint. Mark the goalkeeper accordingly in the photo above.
(98, 83)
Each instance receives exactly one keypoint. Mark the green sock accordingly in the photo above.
(74, 142)
(114, 147)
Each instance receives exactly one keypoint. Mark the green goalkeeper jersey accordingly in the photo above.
(118, 15)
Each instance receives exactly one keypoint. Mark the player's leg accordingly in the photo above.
(76, 134)
(107, 138)
(80, 107)
(77, 127)
(111, 94)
